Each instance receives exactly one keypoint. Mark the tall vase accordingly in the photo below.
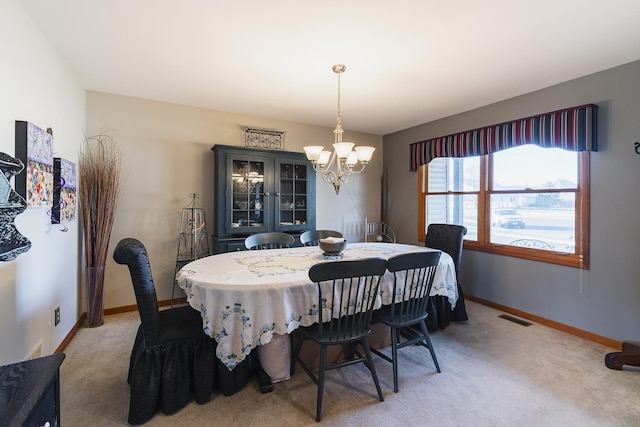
(95, 283)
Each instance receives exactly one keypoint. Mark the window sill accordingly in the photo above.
(550, 257)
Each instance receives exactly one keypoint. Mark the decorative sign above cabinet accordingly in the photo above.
(263, 138)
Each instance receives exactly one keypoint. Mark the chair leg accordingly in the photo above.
(395, 339)
(425, 332)
(321, 372)
(296, 353)
(372, 368)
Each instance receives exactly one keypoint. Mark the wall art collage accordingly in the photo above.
(41, 180)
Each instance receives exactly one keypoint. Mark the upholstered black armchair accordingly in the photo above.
(172, 357)
(447, 238)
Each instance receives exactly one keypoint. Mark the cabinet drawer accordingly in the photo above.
(227, 245)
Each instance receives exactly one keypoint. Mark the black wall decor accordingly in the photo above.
(12, 243)
(64, 191)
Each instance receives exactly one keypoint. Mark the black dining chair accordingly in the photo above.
(172, 357)
(413, 275)
(272, 240)
(311, 237)
(448, 238)
(347, 293)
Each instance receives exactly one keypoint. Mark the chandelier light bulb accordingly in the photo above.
(313, 152)
(343, 149)
(352, 159)
(364, 153)
(325, 156)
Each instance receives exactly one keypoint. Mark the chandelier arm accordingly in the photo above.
(347, 176)
(334, 158)
(317, 168)
(346, 179)
(351, 170)
(329, 177)
(326, 168)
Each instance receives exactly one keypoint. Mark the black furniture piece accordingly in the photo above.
(12, 204)
(30, 392)
(345, 304)
(260, 191)
(172, 357)
(311, 237)
(412, 280)
(630, 356)
(447, 238)
(273, 240)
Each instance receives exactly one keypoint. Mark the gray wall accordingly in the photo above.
(605, 299)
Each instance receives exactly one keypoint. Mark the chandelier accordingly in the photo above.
(346, 160)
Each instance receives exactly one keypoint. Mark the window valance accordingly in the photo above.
(572, 129)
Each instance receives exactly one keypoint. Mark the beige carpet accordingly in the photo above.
(494, 373)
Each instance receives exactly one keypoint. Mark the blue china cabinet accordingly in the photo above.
(260, 190)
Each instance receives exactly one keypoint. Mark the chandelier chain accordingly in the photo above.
(339, 119)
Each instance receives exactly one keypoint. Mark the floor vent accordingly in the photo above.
(515, 320)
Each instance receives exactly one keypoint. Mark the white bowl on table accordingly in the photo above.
(332, 247)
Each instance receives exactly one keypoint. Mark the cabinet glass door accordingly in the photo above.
(291, 212)
(247, 195)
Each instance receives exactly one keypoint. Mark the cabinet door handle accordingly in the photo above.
(277, 194)
(266, 194)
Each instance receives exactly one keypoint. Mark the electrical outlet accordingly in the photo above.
(57, 316)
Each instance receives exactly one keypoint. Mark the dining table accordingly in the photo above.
(250, 299)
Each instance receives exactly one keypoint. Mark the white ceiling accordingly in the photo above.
(408, 61)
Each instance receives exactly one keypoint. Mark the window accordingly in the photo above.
(527, 202)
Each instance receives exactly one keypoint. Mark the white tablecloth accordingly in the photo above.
(246, 297)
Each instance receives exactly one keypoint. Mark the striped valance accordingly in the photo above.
(571, 129)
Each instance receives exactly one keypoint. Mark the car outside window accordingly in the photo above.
(507, 218)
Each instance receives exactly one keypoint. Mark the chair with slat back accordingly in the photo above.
(413, 275)
(378, 232)
(311, 237)
(273, 240)
(447, 238)
(347, 293)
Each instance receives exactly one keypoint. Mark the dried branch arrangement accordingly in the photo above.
(99, 176)
(99, 167)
